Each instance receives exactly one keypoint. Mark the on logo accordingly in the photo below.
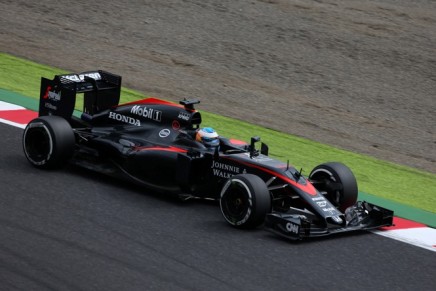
(292, 227)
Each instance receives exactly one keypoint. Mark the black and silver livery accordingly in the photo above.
(152, 142)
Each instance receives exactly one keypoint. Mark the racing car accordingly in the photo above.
(154, 143)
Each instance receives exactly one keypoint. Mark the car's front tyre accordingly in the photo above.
(245, 201)
(338, 181)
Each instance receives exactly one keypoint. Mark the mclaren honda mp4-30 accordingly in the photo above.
(152, 142)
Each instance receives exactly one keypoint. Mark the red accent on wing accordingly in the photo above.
(165, 149)
(308, 188)
(46, 92)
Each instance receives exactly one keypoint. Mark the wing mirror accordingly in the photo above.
(263, 149)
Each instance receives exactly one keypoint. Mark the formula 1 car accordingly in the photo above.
(151, 142)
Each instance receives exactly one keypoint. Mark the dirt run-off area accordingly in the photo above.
(359, 75)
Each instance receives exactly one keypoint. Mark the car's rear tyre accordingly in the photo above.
(338, 181)
(48, 142)
(245, 201)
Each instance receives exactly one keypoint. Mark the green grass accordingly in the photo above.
(387, 180)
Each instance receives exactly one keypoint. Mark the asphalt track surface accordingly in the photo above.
(77, 230)
(358, 74)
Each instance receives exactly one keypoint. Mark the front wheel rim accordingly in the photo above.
(236, 202)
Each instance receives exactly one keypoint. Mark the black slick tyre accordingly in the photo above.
(338, 181)
(48, 142)
(245, 201)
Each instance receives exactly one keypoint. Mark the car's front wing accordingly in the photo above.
(361, 216)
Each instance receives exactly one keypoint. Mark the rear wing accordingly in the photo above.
(58, 96)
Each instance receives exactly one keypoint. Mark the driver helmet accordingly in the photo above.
(207, 136)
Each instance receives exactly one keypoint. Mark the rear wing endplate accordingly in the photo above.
(58, 96)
